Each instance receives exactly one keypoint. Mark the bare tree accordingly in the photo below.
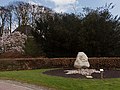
(37, 12)
(10, 16)
(21, 11)
(17, 15)
(3, 15)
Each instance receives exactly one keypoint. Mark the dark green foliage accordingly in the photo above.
(97, 33)
(58, 35)
(101, 33)
(33, 49)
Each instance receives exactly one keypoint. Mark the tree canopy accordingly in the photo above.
(95, 32)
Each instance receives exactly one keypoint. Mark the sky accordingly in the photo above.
(70, 5)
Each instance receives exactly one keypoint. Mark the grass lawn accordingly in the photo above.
(60, 83)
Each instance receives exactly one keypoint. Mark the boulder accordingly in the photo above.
(81, 61)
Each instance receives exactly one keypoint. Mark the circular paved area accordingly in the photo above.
(13, 85)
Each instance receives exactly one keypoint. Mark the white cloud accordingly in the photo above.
(63, 2)
(60, 9)
(63, 5)
(33, 2)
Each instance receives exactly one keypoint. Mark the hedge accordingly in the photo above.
(37, 63)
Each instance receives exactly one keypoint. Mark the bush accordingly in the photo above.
(32, 48)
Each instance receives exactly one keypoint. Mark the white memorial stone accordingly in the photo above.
(81, 61)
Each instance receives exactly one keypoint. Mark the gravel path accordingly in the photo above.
(13, 85)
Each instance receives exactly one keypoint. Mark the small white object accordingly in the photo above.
(89, 77)
(97, 71)
(101, 70)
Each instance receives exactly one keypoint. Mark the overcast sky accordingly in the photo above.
(67, 5)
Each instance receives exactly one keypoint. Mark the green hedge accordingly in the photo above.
(37, 63)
